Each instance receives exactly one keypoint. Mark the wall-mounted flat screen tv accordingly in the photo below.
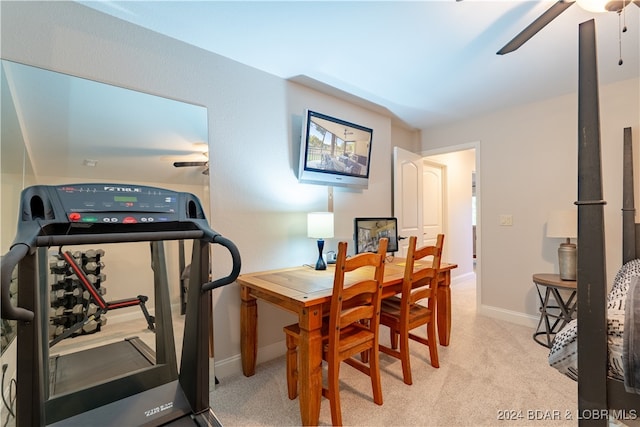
(369, 231)
(334, 152)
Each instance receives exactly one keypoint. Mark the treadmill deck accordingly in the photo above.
(75, 371)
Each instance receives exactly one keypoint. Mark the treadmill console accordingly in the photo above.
(100, 209)
(124, 204)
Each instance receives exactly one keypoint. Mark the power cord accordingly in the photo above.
(8, 405)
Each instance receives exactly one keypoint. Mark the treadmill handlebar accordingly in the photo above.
(235, 268)
(44, 222)
(86, 239)
(8, 263)
(19, 250)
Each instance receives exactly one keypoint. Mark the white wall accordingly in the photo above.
(528, 158)
(254, 132)
(263, 207)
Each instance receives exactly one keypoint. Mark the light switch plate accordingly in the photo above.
(506, 220)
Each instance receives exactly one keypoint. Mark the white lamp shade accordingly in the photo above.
(563, 224)
(320, 225)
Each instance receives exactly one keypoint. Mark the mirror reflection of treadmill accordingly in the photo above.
(112, 380)
(88, 367)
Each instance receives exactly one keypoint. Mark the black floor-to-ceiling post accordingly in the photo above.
(592, 322)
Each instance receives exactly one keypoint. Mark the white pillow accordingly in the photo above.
(618, 292)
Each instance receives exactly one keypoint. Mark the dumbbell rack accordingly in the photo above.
(70, 303)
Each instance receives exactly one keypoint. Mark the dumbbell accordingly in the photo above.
(92, 253)
(61, 293)
(58, 278)
(92, 309)
(93, 266)
(57, 263)
(59, 311)
(58, 266)
(94, 279)
(92, 326)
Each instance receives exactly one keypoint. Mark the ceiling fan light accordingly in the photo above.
(598, 6)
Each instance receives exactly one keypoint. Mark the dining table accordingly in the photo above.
(306, 292)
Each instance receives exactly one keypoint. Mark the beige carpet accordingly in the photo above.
(492, 374)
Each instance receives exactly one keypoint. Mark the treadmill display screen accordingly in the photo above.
(125, 199)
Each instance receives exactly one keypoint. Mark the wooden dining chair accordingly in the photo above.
(404, 313)
(351, 327)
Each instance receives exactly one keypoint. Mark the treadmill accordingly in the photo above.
(126, 382)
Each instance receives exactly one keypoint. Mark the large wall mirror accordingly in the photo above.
(58, 128)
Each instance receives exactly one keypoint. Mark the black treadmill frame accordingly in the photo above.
(42, 228)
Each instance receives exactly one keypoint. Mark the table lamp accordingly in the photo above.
(320, 226)
(564, 224)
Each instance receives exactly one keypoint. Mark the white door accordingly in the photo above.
(432, 208)
(407, 196)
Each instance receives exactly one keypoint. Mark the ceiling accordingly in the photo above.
(424, 62)
(427, 62)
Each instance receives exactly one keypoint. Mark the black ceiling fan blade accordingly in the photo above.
(548, 16)
(185, 164)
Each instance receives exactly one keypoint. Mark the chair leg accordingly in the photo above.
(374, 373)
(393, 337)
(364, 357)
(292, 366)
(433, 344)
(334, 393)
(404, 357)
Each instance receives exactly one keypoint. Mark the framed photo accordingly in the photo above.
(369, 231)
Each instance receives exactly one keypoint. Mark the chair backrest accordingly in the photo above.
(359, 301)
(420, 280)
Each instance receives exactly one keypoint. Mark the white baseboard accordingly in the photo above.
(509, 316)
(233, 365)
(463, 278)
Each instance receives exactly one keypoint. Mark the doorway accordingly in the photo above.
(462, 202)
(461, 163)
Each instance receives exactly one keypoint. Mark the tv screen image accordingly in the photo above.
(334, 152)
(369, 231)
